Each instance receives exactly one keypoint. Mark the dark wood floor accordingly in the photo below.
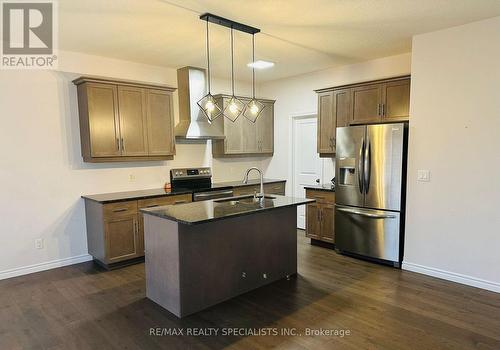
(84, 307)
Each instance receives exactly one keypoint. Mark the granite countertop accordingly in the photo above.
(322, 187)
(240, 183)
(219, 209)
(160, 192)
(132, 195)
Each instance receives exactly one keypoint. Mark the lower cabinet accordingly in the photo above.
(115, 231)
(320, 216)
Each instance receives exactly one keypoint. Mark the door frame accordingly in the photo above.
(292, 139)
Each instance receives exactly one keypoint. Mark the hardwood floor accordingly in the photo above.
(85, 307)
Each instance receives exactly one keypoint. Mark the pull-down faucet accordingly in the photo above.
(245, 181)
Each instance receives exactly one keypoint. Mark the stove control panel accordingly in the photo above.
(190, 173)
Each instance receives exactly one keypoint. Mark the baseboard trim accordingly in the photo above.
(452, 276)
(25, 270)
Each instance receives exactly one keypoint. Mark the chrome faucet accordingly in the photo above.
(245, 181)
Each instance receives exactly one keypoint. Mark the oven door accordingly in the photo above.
(203, 196)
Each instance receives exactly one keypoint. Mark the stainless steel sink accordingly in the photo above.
(243, 200)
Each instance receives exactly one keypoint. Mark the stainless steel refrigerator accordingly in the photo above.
(370, 191)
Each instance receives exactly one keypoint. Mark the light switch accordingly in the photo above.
(424, 175)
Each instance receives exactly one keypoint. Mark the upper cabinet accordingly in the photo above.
(363, 103)
(124, 121)
(242, 137)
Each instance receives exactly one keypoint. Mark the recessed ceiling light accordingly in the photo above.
(260, 64)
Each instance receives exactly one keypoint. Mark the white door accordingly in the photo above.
(307, 165)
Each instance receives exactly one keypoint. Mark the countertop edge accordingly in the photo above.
(230, 216)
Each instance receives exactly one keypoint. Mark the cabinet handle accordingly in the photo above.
(180, 202)
(379, 110)
(318, 216)
(152, 206)
(383, 109)
(123, 145)
(117, 143)
(119, 210)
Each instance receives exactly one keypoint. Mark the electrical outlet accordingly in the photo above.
(131, 178)
(39, 243)
(424, 175)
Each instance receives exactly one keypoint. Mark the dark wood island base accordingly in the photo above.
(192, 267)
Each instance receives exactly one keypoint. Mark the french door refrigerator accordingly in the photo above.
(370, 191)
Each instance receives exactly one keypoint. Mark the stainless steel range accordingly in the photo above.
(199, 180)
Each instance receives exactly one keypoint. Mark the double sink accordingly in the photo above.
(247, 202)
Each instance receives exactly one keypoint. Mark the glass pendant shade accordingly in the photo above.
(253, 109)
(233, 109)
(209, 107)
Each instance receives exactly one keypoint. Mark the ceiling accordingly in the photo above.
(299, 36)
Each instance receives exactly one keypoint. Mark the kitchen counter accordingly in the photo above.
(322, 187)
(218, 209)
(203, 253)
(105, 198)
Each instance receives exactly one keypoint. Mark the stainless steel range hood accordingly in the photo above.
(193, 125)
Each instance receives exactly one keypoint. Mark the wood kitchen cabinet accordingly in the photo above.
(269, 188)
(115, 231)
(334, 110)
(362, 103)
(320, 216)
(123, 121)
(242, 137)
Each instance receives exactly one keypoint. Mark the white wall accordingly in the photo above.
(453, 221)
(42, 174)
(296, 96)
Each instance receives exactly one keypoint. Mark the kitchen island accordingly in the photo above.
(202, 253)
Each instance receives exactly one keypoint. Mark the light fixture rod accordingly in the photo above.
(208, 59)
(232, 62)
(253, 67)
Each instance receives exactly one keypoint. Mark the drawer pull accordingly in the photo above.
(152, 206)
(119, 210)
(180, 202)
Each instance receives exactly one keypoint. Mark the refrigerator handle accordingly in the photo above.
(361, 162)
(367, 166)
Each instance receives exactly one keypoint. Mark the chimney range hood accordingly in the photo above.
(193, 125)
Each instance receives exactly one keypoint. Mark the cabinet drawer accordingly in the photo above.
(120, 209)
(321, 196)
(275, 188)
(167, 200)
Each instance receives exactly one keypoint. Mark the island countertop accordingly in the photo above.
(219, 209)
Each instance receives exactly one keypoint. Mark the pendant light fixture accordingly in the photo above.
(234, 107)
(208, 104)
(254, 107)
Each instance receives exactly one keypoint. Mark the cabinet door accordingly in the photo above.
(397, 100)
(133, 128)
(367, 103)
(103, 120)
(313, 227)
(326, 123)
(327, 223)
(121, 238)
(342, 107)
(250, 142)
(265, 129)
(160, 123)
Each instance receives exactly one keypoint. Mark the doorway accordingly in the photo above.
(307, 165)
